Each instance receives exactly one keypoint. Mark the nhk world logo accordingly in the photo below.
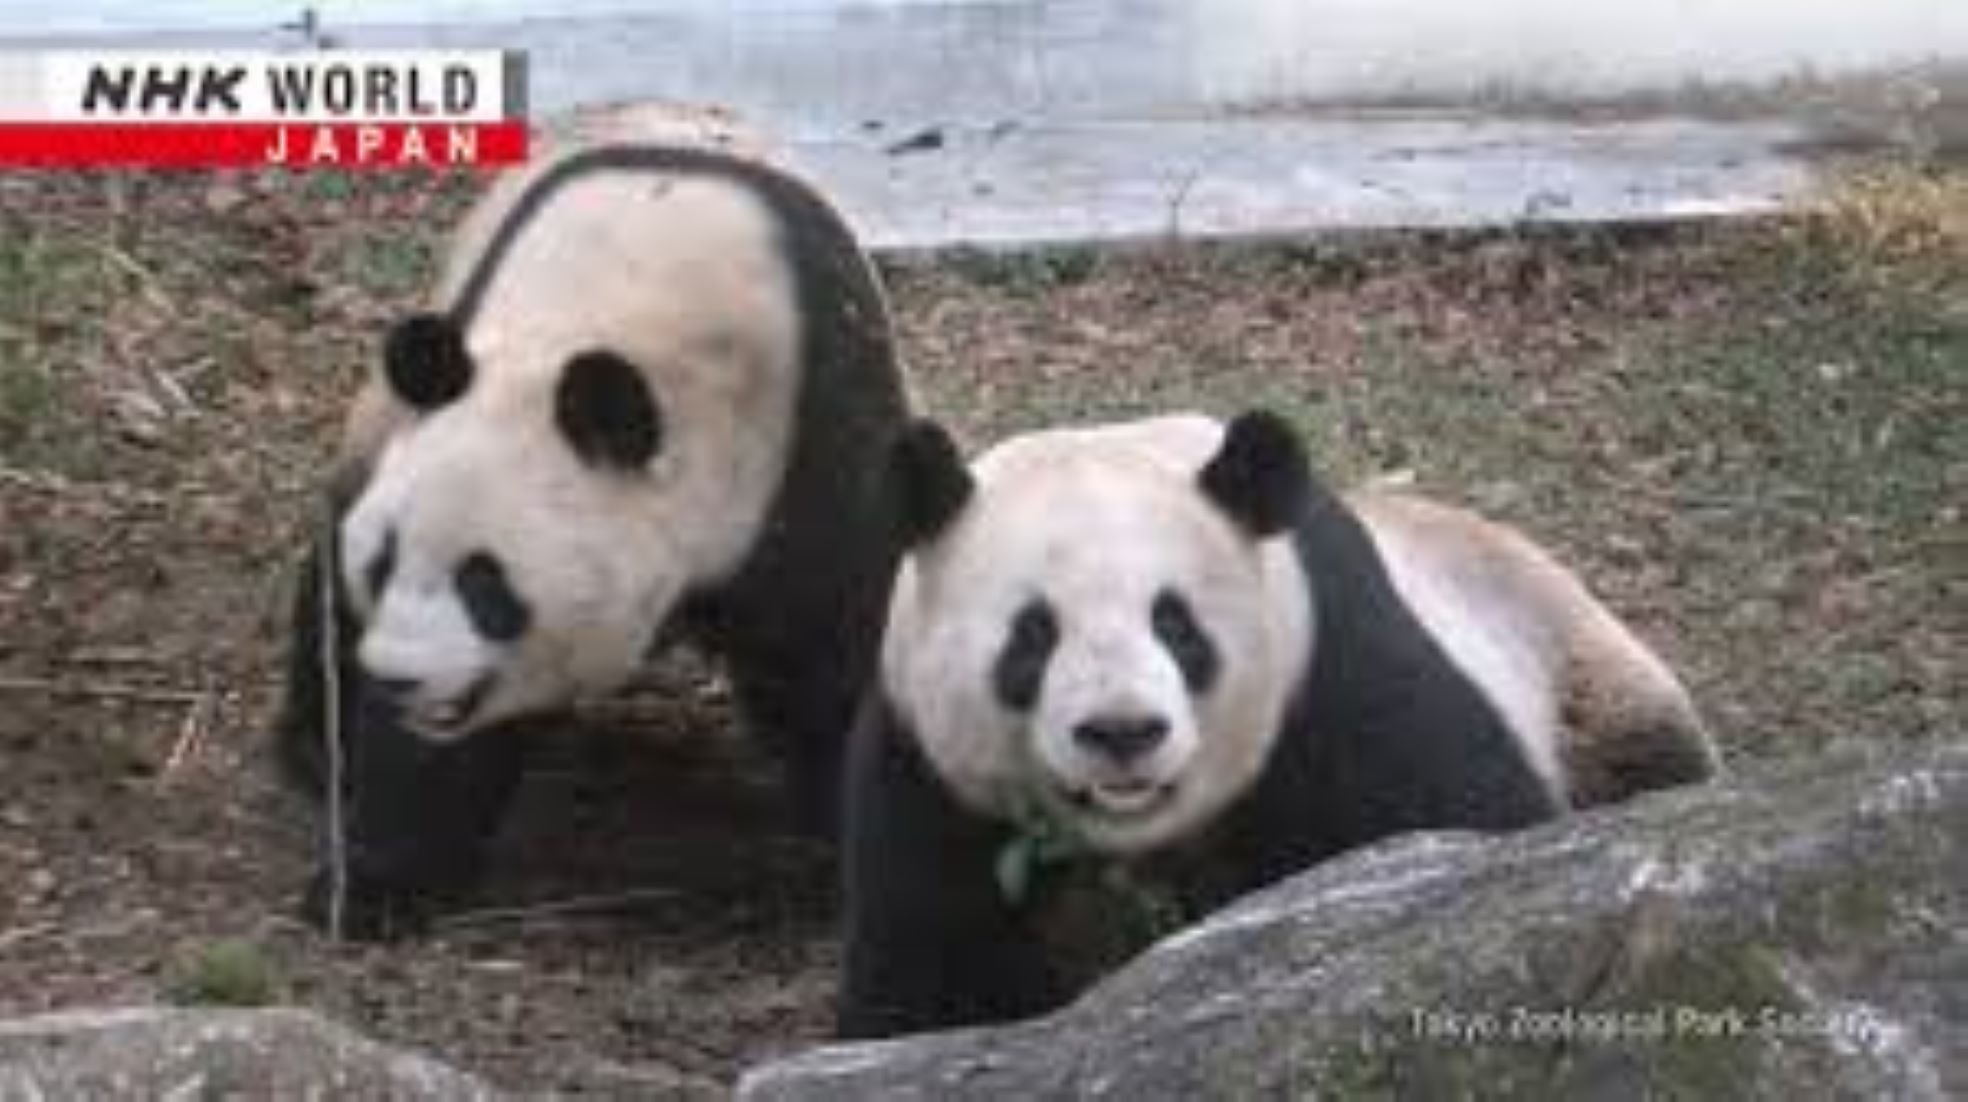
(328, 109)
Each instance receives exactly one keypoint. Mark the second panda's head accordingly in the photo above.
(1101, 625)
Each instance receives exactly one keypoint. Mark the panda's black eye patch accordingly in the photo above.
(608, 416)
(1175, 625)
(1028, 648)
(495, 609)
(376, 573)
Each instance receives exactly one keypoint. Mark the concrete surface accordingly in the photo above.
(1005, 122)
(1013, 184)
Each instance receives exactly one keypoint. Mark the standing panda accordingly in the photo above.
(1163, 652)
(653, 397)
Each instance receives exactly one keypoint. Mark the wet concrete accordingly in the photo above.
(1016, 184)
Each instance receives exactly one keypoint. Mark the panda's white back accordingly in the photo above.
(1556, 664)
(684, 277)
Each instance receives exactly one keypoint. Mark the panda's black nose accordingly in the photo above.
(1121, 738)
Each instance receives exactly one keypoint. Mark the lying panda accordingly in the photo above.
(1164, 652)
(653, 396)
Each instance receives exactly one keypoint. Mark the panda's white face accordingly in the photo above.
(1094, 638)
(610, 435)
(489, 588)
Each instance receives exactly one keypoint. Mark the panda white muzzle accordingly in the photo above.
(1118, 769)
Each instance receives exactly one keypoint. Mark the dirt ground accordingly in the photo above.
(1748, 437)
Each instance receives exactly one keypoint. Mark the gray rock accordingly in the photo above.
(1801, 932)
(159, 1052)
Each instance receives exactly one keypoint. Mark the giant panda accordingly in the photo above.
(649, 399)
(1164, 655)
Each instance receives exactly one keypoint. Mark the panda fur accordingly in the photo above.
(1232, 673)
(651, 396)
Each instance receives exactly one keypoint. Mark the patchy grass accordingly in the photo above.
(228, 972)
(1747, 437)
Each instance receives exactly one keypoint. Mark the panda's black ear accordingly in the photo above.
(1259, 476)
(424, 357)
(930, 481)
(608, 416)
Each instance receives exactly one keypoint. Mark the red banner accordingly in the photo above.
(314, 146)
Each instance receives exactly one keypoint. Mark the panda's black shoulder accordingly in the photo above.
(929, 939)
(1385, 733)
(893, 789)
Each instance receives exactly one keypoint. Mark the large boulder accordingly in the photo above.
(158, 1052)
(1802, 931)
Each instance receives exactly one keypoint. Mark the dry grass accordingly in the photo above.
(1897, 214)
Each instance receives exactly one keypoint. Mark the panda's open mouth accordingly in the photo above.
(452, 715)
(1123, 798)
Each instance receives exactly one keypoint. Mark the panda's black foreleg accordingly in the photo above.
(930, 940)
(415, 824)
(801, 706)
